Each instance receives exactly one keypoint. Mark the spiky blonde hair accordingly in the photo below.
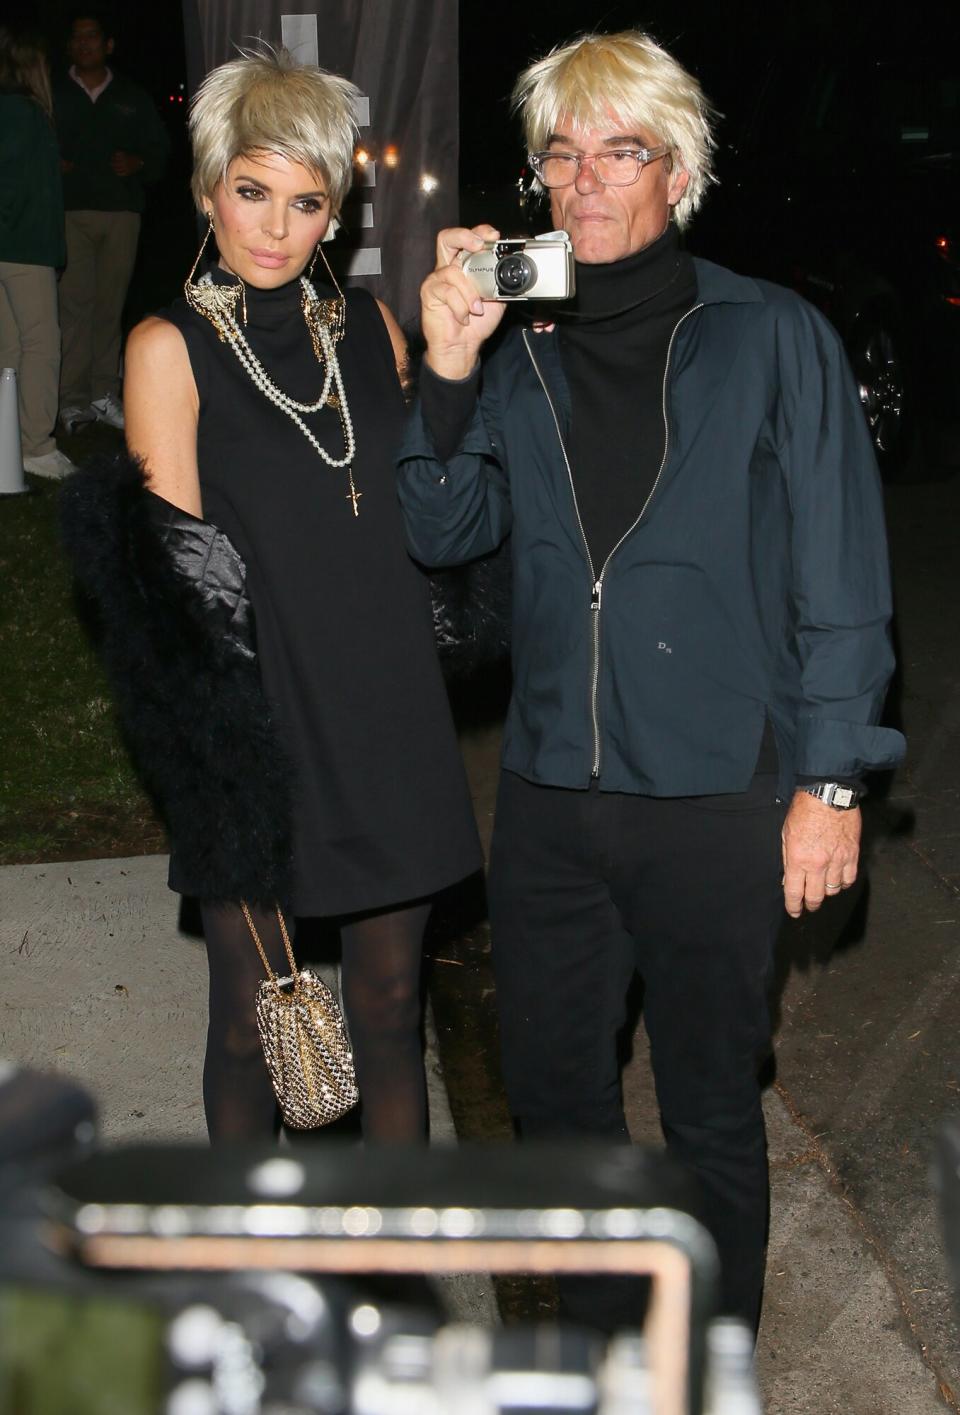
(627, 76)
(266, 102)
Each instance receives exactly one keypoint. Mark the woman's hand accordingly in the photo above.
(455, 321)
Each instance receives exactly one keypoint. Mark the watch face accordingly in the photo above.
(831, 793)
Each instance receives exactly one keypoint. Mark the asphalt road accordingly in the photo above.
(859, 1315)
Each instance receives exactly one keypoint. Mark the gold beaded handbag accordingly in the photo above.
(304, 1042)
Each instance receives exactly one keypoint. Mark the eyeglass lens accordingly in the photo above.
(613, 169)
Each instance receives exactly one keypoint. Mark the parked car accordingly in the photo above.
(843, 181)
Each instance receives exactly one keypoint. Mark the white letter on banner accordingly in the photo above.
(298, 33)
(365, 262)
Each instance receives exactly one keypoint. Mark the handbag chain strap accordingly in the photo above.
(260, 949)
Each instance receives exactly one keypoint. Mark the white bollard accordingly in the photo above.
(12, 482)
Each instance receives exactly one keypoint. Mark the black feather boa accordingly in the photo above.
(190, 702)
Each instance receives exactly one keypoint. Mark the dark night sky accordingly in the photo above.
(720, 43)
(149, 35)
(725, 45)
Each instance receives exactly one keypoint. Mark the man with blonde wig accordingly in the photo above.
(700, 629)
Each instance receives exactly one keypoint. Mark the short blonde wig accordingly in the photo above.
(629, 77)
(266, 102)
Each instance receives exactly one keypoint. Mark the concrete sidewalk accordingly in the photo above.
(98, 981)
(858, 1317)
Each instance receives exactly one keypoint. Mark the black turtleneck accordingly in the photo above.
(613, 347)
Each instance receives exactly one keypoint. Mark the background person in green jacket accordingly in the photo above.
(112, 143)
(31, 246)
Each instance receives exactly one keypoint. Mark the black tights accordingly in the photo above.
(381, 998)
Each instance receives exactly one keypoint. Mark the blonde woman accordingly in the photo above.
(310, 759)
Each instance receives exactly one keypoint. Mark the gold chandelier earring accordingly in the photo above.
(332, 313)
(203, 246)
(214, 302)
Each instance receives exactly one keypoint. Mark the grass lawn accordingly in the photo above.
(67, 789)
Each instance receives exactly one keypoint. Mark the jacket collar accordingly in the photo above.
(718, 286)
(715, 286)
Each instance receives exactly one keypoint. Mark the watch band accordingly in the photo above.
(833, 793)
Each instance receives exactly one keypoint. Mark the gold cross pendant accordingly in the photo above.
(354, 496)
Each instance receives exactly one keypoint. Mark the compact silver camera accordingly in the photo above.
(525, 268)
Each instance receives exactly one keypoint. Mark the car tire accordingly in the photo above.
(881, 368)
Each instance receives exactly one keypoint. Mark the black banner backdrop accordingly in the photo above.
(402, 54)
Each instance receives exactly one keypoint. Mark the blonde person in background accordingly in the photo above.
(31, 245)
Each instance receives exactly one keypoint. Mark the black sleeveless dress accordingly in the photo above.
(382, 813)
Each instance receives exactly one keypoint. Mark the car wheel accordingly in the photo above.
(883, 384)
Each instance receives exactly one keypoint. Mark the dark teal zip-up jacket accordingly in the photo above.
(752, 584)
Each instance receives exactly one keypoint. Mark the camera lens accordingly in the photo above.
(515, 274)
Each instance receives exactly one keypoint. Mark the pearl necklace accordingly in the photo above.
(231, 333)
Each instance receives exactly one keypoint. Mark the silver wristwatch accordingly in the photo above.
(831, 793)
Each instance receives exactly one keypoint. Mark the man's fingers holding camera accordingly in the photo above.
(455, 240)
(454, 319)
(449, 288)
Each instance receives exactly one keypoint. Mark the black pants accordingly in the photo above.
(585, 888)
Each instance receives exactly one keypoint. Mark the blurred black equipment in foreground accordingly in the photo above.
(215, 1248)
(43, 1119)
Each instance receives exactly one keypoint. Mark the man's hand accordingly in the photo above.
(455, 321)
(821, 846)
(125, 164)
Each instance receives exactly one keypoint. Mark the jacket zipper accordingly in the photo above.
(596, 592)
